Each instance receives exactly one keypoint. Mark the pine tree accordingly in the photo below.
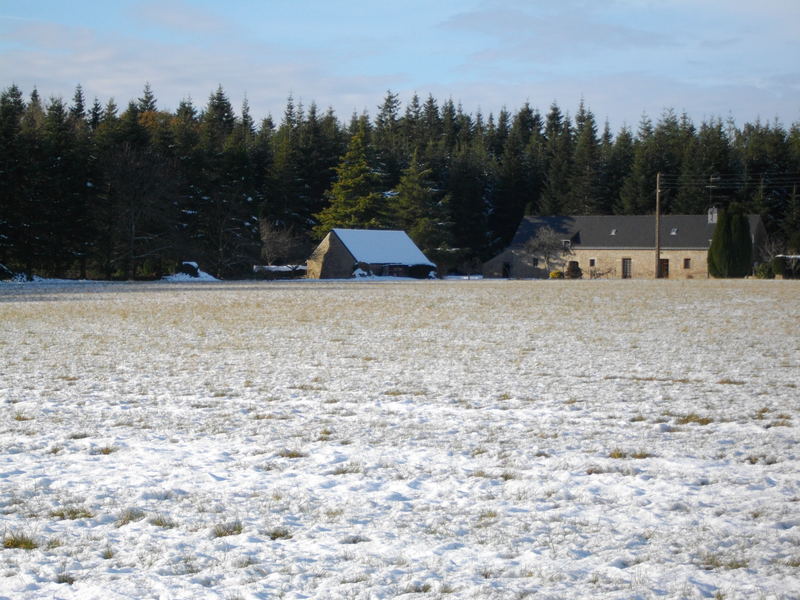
(14, 169)
(518, 178)
(387, 140)
(558, 165)
(637, 196)
(584, 192)
(467, 187)
(95, 115)
(355, 201)
(77, 112)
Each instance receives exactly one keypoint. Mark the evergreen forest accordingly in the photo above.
(96, 190)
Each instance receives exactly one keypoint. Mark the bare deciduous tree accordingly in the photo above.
(549, 246)
(281, 245)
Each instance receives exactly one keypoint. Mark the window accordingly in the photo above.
(674, 231)
(566, 244)
(592, 262)
(687, 263)
(535, 263)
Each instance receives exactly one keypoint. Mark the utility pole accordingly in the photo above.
(658, 225)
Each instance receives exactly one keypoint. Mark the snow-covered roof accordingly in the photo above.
(382, 247)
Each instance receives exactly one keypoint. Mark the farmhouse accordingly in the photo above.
(618, 246)
(345, 253)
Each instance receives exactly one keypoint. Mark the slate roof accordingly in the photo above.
(684, 232)
(382, 247)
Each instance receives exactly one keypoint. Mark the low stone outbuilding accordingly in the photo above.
(345, 253)
(619, 246)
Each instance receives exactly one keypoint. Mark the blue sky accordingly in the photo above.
(708, 58)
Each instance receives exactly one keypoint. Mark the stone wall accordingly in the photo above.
(607, 264)
(330, 260)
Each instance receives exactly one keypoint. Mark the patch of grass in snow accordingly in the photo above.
(782, 420)
(103, 450)
(761, 413)
(161, 521)
(354, 539)
(71, 513)
(107, 553)
(279, 533)
(755, 459)
(269, 417)
(446, 588)
(714, 562)
(728, 381)
(348, 468)
(639, 454)
(19, 416)
(693, 418)
(129, 515)
(226, 529)
(19, 540)
(65, 577)
(333, 513)
(418, 587)
(291, 453)
(79, 435)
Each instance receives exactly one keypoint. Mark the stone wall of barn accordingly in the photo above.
(330, 260)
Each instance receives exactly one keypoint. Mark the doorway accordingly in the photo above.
(626, 268)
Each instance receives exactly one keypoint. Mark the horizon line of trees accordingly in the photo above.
(95, 191)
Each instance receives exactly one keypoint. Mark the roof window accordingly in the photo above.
(674, 231)
(613, 232)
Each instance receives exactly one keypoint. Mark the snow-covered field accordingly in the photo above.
(476, 439)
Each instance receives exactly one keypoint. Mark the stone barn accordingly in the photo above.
(346, 253)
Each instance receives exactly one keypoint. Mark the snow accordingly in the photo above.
(373, 246)
(185, 277)
(448, 439)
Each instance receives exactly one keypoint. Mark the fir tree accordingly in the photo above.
(415, 207)
(147, 102)
(584, 192)
(355, 201)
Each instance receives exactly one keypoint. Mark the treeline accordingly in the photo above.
(99, 191)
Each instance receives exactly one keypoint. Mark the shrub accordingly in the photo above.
(556, 274)
(731, 247)
(778, 265)
(573, 270)
(765, 271)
